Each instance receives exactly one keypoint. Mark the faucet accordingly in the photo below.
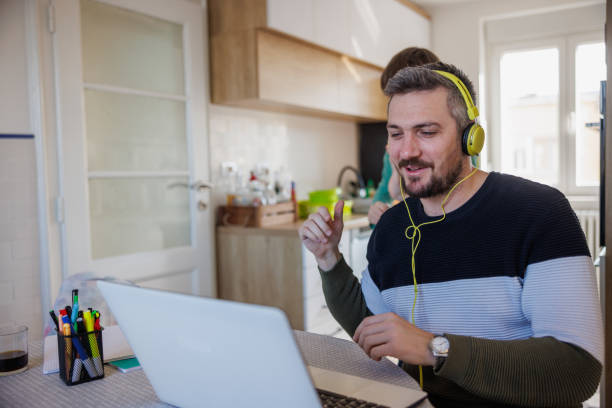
(362, 186)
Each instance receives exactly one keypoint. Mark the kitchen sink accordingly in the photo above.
(361, 205)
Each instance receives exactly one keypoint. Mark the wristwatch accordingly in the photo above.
(439, 347)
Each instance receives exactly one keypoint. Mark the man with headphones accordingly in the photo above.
(480, 283)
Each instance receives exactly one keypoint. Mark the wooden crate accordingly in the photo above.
(261, 216)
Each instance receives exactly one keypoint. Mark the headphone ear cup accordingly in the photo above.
(473, 139)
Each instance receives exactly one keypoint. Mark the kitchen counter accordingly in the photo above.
(270, 266)
(352, 221)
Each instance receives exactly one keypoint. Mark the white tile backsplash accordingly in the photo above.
(312, 150)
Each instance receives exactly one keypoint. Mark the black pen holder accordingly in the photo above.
(74, 368)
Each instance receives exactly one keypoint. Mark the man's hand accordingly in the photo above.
(376, 210)
(389, 335)
(321, 235)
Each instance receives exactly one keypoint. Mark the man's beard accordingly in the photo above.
(437, 185)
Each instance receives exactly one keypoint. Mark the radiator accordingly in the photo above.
(589, 221)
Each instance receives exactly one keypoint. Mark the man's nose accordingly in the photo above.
(410, 148)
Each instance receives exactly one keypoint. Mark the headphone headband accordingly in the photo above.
(472, 110)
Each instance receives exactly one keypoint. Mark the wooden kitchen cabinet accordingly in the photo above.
(257, 67)
(269, 266)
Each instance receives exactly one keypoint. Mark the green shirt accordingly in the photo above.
(382, 192)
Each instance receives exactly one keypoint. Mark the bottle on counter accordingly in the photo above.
(294, 201)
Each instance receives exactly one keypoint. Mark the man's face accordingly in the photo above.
(424, 143)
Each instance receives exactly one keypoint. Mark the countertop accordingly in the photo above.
(351, 221)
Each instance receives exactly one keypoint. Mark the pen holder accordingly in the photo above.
(81, 357)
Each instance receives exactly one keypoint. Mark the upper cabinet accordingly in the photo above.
(321, 57)
(371, 30)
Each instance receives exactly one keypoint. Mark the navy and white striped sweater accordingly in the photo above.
(511, 263)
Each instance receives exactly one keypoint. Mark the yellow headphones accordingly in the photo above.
(473, 137)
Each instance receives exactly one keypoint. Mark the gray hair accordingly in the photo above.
(423, 78)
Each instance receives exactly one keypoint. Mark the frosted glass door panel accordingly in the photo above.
(134, 133)
(138, 215)
(132, 50)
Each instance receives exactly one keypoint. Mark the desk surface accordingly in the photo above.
(33, 389)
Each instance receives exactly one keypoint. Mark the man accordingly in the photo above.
(492, 270)
(388, 188)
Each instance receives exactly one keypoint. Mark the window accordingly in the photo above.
(545, 99)
(529, 82)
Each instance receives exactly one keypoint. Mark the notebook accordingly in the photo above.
(208, 352)
(126, 365)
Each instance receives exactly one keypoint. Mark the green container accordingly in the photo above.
(328, 199)
(324, 196)
(314, 207)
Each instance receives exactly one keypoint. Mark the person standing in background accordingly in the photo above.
(388, 188)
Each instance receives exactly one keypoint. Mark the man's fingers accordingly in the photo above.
(324, 213)
(322, 225)
(380, 351)
(373, 340)
(338, 212)
(315, 233)
(308, 235)
(368, 328)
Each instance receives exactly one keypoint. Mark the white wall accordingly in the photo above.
(20, 300)
(313, 150)
(456, 28)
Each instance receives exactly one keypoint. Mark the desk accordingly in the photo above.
(33, 389)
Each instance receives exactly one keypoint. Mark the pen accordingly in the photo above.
(75, 305)
(97, 322)
(93, 343)
(67, 350)
(79, 329)
(80, 325)
(75, 297)
(54, 317)
(69, 313)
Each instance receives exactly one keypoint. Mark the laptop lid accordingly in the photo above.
(208, 352)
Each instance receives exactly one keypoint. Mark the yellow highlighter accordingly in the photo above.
(93, 343)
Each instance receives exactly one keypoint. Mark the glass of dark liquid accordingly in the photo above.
(13, 349)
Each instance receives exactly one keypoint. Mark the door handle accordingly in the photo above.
(199, 185)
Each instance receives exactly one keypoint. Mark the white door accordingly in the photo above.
(130, 80)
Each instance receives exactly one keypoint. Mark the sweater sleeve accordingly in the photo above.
(560, 365)
(344, 297)
(532, 372)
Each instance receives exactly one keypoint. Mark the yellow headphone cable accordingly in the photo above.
(415, 239)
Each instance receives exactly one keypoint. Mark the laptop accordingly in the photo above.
(199, 351)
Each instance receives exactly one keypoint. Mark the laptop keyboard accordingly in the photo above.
(330, 399)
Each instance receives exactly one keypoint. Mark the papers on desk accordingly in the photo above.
(114, 344)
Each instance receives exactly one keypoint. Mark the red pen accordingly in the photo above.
(97, 321)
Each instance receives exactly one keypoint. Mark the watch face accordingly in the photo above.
(440, 345)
